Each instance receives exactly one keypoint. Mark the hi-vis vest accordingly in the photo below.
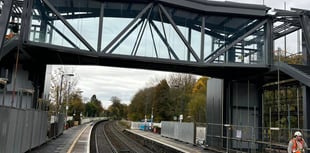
(295, 148)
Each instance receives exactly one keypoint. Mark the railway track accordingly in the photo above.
(108, 137)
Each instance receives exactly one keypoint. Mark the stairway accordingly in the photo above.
(8, 46)
(298, 72)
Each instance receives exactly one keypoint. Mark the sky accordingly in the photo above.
(105, 82)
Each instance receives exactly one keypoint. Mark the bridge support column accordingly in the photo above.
(306, 107)
(236, 104)
(306, 60)
(4, 20)
(26, 20)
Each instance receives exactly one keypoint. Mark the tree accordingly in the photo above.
(117, 110)
(197, 104)
(162, 107)
(54, 94)
(141, 104)
(76, 106)
(93, 108)
(181, 86)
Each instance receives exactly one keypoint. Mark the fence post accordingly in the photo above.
(227, 132)
(253, 141)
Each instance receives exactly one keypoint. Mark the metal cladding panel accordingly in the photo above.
(20, 121)
(244, 95)
(11, 130)
(27, 131)
(4, 120)
(215, 101)
(61, 123)
(168, 129)
(186, 132)
(20, 131)
(215, 110)
(201, 133)
(136, 125)
(31, 129)
(44, 125)
(36, 128)
(179, 131)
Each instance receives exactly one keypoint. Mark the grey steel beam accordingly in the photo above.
(287, 32)
(100, 27)
(124, 37)
(141, 32)
(306, 108)
(219, 7)
(223, 50)
(190, 42)
(153, 40)
(202, 37)
(269, 42)
(64, 21)
(63, 35)
(26, 20)
(179, 33)
(4, 21)
(305, 21)
(285, 13)
(170, 50)
(209, 32)
(126, 28)
(164, 30)
(139, 37)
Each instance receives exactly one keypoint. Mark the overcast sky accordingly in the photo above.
(106, 82)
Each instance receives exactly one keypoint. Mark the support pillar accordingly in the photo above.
(306, 60)
(26, 20)
(4, 21)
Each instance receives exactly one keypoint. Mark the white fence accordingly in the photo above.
(141, 125)
(90, 119)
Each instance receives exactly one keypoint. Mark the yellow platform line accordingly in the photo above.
(76, 139)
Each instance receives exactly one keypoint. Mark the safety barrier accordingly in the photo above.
(90, 119)
(248, 138)
(180, 131)
(22, 130)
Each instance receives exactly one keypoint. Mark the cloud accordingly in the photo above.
(106, 82)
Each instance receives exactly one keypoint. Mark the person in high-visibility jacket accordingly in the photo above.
(297, 144)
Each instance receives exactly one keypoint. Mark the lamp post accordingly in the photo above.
(181, 103)
(60, 94)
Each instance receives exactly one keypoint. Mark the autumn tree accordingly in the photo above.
(197, 104)
(60, 89)
(141, 104)
(162, 107)
(181, 86)
(93, 108)
(76, 105)
(117, 110)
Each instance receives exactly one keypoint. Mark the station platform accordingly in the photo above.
(74, 139)
(177, 145)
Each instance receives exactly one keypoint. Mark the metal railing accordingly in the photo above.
(248, 138)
